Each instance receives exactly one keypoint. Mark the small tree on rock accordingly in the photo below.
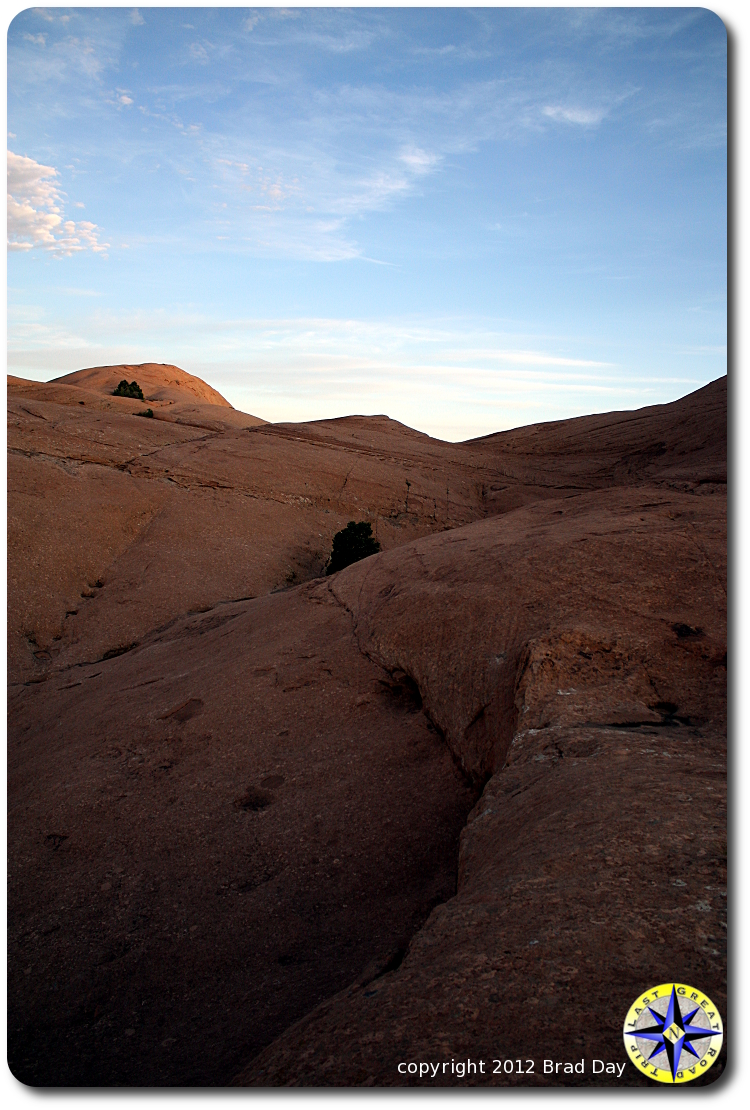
(128, 390)
(351, 544)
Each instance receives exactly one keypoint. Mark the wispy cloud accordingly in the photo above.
(332, 151)
(327, 31)
(587, 117)
(454, 379)
(311, 213)
(36, 216)
(199, 53)
(419, 161)
(72, 48)
(612, 28)
(228, 145)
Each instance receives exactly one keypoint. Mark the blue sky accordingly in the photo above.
(466, 219)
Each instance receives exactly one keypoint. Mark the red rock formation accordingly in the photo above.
(233, 833)
(159, 382)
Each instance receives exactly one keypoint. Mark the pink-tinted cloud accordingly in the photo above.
(36, 217)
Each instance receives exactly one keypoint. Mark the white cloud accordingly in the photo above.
(301, 201)
(120, 98)
(199, 53)
(418, 161)
(373, 192)
(587, 117)
(40, 40)
(136, 18)
(35, 212)
(434, 51)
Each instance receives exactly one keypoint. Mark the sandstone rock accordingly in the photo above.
(464, 798)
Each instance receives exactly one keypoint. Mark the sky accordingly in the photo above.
(469, 220)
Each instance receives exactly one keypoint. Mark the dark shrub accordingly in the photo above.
(351, 544)
(148, 412)
(125, 390)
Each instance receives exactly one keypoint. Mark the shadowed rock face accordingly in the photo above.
(227, 824)
(553, 659)
(417, 810)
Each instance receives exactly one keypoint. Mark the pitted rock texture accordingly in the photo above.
(463, 799)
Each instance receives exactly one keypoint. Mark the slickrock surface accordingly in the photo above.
(227, 824)
(160, 382)
(117, 525)
(235, 801)
(594, 863)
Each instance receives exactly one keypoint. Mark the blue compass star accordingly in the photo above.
(672, 1033)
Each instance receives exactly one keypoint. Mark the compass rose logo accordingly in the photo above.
(673, 1033)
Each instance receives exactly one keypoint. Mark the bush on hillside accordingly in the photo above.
(125, 390)
(351, 544)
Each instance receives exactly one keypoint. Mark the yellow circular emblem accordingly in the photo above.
(673, 1033)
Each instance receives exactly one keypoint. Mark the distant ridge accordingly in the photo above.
(159, 381)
